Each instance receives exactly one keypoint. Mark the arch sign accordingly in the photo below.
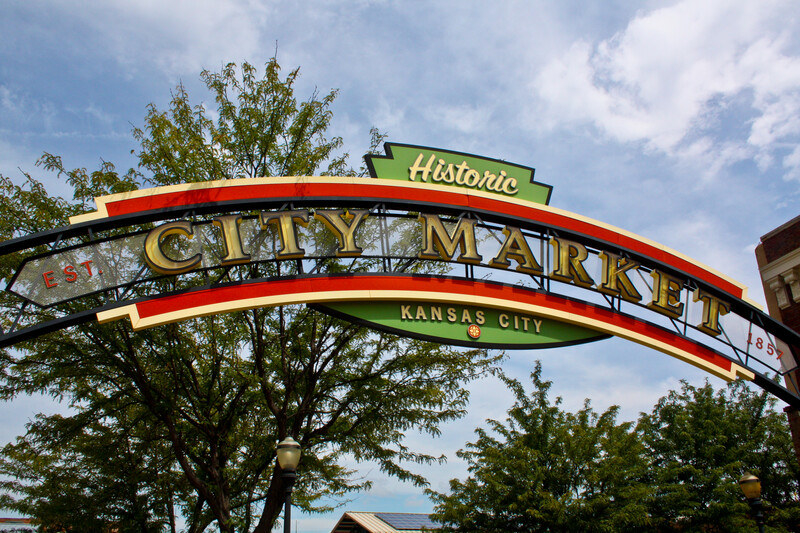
(436, 244)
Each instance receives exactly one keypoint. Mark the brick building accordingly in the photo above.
(778, 257)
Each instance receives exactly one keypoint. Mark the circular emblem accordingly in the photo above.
(474, 331)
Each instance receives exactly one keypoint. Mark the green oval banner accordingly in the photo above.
(462, 325)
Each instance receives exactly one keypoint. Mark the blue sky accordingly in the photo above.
(678, 121)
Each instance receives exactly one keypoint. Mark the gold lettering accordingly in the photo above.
(503, 320)
(615, 280)
(437, 243)
(666, 294)
(712, 309)
(421, 313)
(337, 221)
(448, 176)
(492, 182)
(538, 324)
(497, 186)
(437, 171)
(510, 185)
(436, 313)
(465, 316)
(286, 222)
(416, 168)
(232, 239)
(154, 251)
(568, 258)
(460, 175)
(483, 181)
(480, 318)
(516, 247)
(471, 177)
(451, 315)
(405, 313)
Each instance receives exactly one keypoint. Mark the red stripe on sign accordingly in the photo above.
(195, 197)
(422, 285)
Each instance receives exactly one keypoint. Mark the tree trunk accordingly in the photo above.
(276, 496)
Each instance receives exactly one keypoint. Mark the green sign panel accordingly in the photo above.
(462, 325)
(444, 167)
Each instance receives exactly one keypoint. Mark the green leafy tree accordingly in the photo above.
(699, 442)
(79, 474)
(545, 469)
(211, 397)
(548, 470)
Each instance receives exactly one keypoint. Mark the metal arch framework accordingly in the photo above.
(379, 274)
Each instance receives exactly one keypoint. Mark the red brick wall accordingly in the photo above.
(782, 240)
(774, 245)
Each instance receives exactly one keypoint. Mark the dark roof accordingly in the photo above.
(408, 521)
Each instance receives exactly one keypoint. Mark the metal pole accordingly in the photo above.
(757, 507)
(287, 513)
(288, 477)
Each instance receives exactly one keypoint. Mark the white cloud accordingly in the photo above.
(792, 163)
(180, 36)
(6, 99)
(463, 118)
(673, 74)
(389, 116)
(13, 157)
(99, 114)
(22, 111)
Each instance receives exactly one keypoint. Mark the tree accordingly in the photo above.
(214, 395)
(678, 470)
(699, 442)
(548, 470)
(84, 475)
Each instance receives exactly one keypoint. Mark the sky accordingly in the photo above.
(678, 121)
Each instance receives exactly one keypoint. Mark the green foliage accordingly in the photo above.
(79, 474)
(700, 442)
(260, 130)
(548, 470)
(545, 469)
(208, 399)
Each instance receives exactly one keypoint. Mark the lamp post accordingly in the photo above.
(751, 487)
(288, 459)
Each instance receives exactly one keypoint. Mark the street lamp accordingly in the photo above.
(288, 459)
(751, 487)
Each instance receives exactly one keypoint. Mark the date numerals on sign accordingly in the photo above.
(761, 344)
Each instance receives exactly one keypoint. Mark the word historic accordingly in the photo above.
(439, 243)
(461, 174)
(423, 164)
